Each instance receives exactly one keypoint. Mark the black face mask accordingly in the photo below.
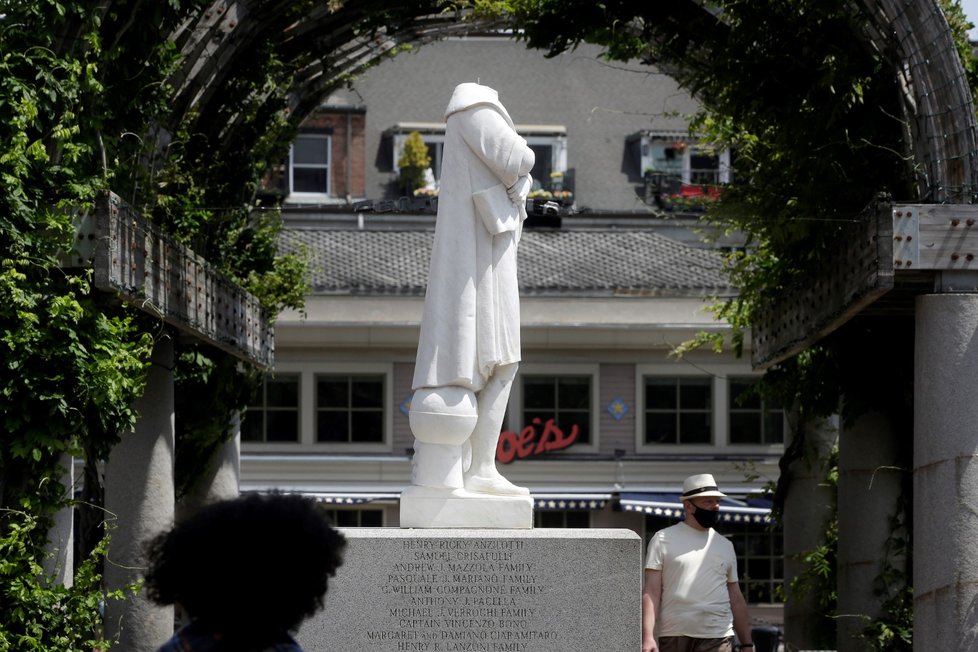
(706, 517)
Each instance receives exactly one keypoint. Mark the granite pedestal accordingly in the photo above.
(453, 590)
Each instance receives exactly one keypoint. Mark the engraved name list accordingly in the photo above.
(464, 595)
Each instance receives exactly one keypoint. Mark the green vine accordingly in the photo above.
(41, 613)
(85, 106)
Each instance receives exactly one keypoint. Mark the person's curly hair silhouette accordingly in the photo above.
(247, 571)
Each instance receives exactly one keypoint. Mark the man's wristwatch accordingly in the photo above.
(743, 645)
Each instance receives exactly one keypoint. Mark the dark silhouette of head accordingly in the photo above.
(250, 569)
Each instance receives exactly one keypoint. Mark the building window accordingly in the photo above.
(434, 141)
(754, 419)
(760, 556)
(760, 560)
(356, 517)
(350, 408)
(679, 158)
(579, 518)
(543, 164)
(548, 142)
(678, 410)
(435, 150)
(566, 399)
(274, 416)
(704, 166)
(309, 163)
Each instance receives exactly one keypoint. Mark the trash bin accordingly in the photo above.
(766, 638)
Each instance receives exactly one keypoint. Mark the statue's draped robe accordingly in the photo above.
(471, 319)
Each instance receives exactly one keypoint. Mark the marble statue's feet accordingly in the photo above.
(424, 491)
(495, 485)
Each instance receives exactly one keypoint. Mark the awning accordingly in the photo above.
(351, 499)
(543, 501)
(343, 498)
(668, 505)
(558, 501)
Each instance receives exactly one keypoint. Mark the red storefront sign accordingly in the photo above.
(530, 443)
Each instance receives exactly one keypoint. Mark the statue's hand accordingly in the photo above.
(519, 190)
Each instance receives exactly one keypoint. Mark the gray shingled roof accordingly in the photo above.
(551, 262)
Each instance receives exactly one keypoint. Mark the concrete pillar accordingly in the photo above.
(808, 506)
(60, 565)
(945, 473)
(221, 478)
(869, 489)
(139, 503)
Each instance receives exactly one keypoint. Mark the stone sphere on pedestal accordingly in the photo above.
(443, 415)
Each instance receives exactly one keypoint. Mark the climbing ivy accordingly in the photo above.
(85, 107)
(41, 613)
(809, 108)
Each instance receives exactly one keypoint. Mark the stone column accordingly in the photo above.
(869, 488)
(222, 476)
(61, 537)
(139, 504)
(808, 506)
(945, 472)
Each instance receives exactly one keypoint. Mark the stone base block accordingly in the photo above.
(448, 590)
(424, 507)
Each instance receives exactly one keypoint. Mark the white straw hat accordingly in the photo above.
(701, 486)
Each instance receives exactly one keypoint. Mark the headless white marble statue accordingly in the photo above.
(469, 347)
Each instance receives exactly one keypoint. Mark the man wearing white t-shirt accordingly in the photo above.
(691, 588)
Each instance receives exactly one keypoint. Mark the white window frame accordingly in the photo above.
(515, 409)
(719, 373)
(293, 196)
(307, 372)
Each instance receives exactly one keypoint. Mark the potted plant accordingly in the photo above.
(413, 163)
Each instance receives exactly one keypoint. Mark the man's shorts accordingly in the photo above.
(688, 644)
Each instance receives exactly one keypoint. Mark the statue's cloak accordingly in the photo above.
(471, 319)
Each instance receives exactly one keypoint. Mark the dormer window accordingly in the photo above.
(677, 155)
(548, 142)
(309, 166)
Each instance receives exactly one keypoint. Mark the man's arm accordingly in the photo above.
(741, 621)
(651, 597)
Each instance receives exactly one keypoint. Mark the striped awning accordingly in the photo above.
(560, 501)
(668, 505)
(349, 499)
(544, 501)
